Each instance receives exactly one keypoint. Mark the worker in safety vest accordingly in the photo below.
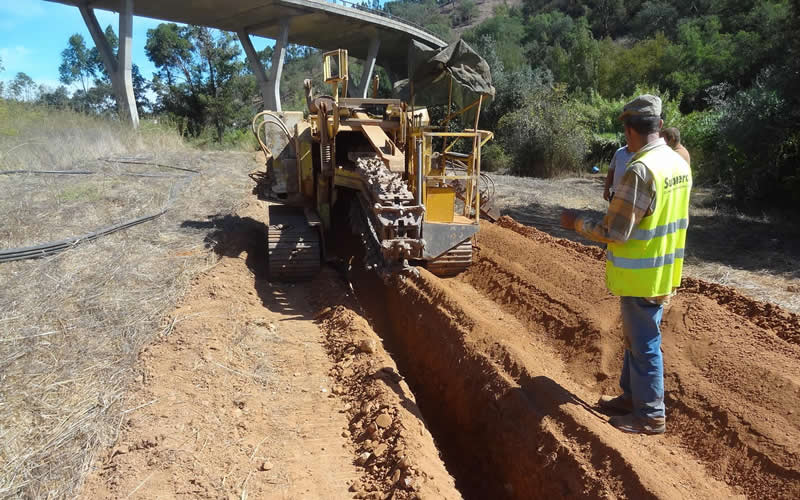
(645, 229)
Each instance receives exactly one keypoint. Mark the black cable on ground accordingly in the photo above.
(54, 247)
(84, 172)
(60, 172)
(143, 162)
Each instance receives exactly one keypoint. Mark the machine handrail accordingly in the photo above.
(472, 194)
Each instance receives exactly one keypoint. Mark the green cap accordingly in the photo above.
(644, 105)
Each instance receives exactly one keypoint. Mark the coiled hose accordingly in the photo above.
(259, 128)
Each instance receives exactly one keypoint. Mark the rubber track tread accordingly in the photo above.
(453, 261)
(294, 253)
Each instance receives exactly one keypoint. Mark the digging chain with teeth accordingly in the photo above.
(388, 219)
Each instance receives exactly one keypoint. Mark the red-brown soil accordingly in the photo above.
(785, 324)
(733, 390)
(245, 397)
(497, 369)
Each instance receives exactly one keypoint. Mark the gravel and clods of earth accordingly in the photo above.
(351, 386)
(478, 386)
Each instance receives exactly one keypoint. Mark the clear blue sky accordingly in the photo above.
(34, 32)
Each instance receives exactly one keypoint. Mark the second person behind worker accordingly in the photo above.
(673, 138)
(616, 169)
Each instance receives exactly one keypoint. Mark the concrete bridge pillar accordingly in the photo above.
(270, 87)
(369, 66)
(278, 56)
(119, 68)
(256, 66)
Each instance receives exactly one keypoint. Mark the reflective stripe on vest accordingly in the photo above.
(650, 263)
(669, 228)
(645, 263)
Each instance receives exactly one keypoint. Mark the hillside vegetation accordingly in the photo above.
(727, 71)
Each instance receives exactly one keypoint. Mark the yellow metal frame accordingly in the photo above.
(472, 161)
(479, 138)
(342, 75)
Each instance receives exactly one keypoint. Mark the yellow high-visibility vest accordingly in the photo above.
(650, 263)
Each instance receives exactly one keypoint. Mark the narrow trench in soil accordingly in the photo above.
(475, 416)
(458, 446)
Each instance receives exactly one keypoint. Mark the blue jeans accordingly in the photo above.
(643, 367)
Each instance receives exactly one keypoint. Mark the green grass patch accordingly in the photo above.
(81, 192)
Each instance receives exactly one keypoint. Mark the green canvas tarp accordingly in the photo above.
(431, 69)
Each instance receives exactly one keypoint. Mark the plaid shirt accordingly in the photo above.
(635, 199)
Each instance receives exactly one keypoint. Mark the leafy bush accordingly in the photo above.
(754, 152)
(494, 158)
(546, 137)
(699, 134)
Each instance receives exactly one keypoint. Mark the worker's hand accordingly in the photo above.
(568, 218)
(607, 194)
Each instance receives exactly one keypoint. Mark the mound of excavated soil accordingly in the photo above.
(733, 392)
(507, 360)
(393, 446)
(785, 324)
(244, 396)
(481, 386)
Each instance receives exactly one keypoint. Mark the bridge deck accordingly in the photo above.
(314, 23)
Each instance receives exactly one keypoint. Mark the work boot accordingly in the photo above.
(635, 425)
(616, 403)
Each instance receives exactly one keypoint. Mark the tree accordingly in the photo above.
(77, 63)
(507, 31)
(22, 87)
(57, 98)
(655, 16)
(169, 48)
(200, 76)
(465, 12)
(607, 16)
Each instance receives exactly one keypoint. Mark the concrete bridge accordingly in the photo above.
(372, 36)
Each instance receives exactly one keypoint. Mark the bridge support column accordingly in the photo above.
(278, 56)
(257, 67)
(369, 66)
(119, 68)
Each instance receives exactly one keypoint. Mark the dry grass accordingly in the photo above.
(46, 138)
(72, 325)
(756, 254)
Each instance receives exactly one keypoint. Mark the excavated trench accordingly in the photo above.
(490, 434)
(506, 360)
(498, 438)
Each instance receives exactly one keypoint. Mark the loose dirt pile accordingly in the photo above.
(499, 367)
(507, 360)
(244, 396)
(784, 323)
(393, 445)
(233, 402)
